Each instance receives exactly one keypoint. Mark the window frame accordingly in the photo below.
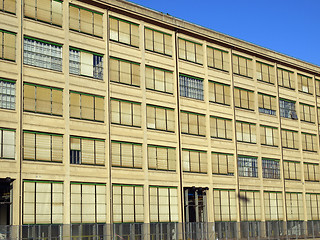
(219, 203)
(225, 64)
(314, 171)
(291, 81)
(264, 140)
(248, 166)
(268, 201)
(270, 74)
(230, 169)
(291, 167)
(136, 163)
(2, 148)
(4, 48)
(201, 162)
(157, 159)
(212, 86)
(309, 81)
(237, 65)
(305, 115)
(262, 105)
(227, 132)
(191, 87)
(198, 123)
(255, 213)
(7, 95)
(248, 99)
(306, 143)
(271, 168)
(198, 57)
(153, 41)
(294, 137)
(288, 110)
(252, 132)
(121, 113)
(154, 80)
(119, 60)
(166, 120)
(3, 9)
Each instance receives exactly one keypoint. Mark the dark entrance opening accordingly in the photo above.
(5, 201)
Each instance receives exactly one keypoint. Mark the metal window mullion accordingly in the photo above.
(51, 148)
(35, 202)
(94, 152)
(132, 152)
(80, 157)
(35, 146)
(51, 205)
(132, 114)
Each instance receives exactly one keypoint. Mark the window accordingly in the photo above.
(219, 93)
(85, 21)
(157, 41)
(309, 142)
(218, 59)
(312, 205)
(39, 146)
(270, 168)
(305, 84)
(42, 54)
(7, 143)
(88, 202)
(290, 139)
(42, 202)
(163, 204)
(194, 161)
(159, 79)
(269, 135)
(125, 112)
(124, 31)
(7, 94)
(222, 163)
(251, 209)
(7, 45)
(246, 132)
(286, 78)
(128, 203)
(244, 98)
(48, 11)
(160, 118)
(294, 203)
(292, 170)
(85, 63)
(8, 6)
(86, 106)
(193, 123)
(126, 154)
(242, 65)
(318, 87)
(287, 109)
(124, 71)
(42, 99)
(191, 87)
(307, 113)
(161, 158)
(265, 72)
(311, 171)
(225, 205)
(247, 166)
(267, 104)
(190, 51)
(221, 127)
(273, 205)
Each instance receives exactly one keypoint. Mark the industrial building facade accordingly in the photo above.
(111, 113)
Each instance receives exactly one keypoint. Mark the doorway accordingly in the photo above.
(5, 201)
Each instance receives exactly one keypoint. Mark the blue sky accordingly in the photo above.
(291, 27)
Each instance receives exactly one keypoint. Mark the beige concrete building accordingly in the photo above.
(111, 113)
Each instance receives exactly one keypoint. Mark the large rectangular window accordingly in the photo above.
(48, 11)
(42, 54)
(267, 104)
(290, 139)
(160, 118)
(85, 20)
(242, 65)
(126, 154)
(294, 204)
(317, 87)
(273, 205)
(191, 87)
(250, 209)
(265, 72)
(307, 113)
(219, 93)
(7, 94)
(194, 161)
(286, 78)
(269, 135)
(225, 205)
(124, 71)
(244, 98)
(161, 158)
(221, 128)
(311, 171)
(218, 59)
(246, 132)
(42, 202)
(128, 203)
(313, 206)
(8, 6)
(247, 166)
(124, 31)
(222, 163)
(157, 41)
(88, 202)
(309, 142)
(7, 45)
(287, 109)
(88, 151)
(125, 112)
(190, 51)
(270, 168)
(42, 99)
(7, 143)
(86, 106)
(159, 79)
(39, 146)
(85, 63)
(305, 84)
(292, 170)
(163, 204)
(193, 123)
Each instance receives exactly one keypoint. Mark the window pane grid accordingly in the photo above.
(194, 161)
(270, 168)
(192, 124)
(159, 42)
(191, 87)
(246, 132)
(126, 154)
(286, 78)
(219, 93)
(222, 164)
(242, 66)
(7, 95)
(190, 51)
(161, 158)
(287, 109)
(267, 104)
(124, 32)
(247, 167)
